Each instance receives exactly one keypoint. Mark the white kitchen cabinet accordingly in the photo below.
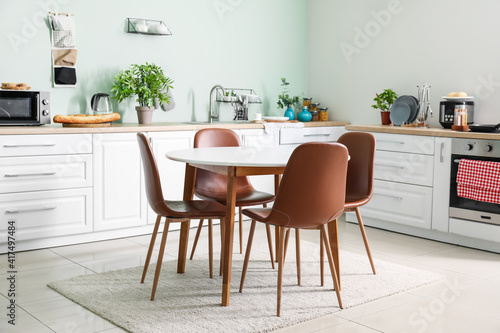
(404, 179)
(400, 203)
(119, 193)
(171, 172)
(297, 136)
(45, 186)
(258, 138)
(441, 185)
(46, 214)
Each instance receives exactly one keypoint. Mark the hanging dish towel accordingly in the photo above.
(479, 180)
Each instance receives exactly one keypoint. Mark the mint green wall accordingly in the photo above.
(398, 44)
(235, 43)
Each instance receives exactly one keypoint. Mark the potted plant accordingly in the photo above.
(285, 100)
(148, 83)
(384, 102)
(230, 96)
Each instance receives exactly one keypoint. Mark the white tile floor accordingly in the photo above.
(468, 300)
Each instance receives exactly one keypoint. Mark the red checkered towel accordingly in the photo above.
(479, 180)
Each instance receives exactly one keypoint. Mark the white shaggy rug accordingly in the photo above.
(190, 302)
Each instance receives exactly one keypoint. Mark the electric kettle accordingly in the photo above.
(101, 104)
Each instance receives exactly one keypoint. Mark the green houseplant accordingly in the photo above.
(383, 102)
(287, 101)
(148, 82)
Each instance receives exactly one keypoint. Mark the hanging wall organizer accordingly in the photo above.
(64, 53)
(147, 27)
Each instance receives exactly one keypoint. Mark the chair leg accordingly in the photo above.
(241, 230)
(270, 243)
(151, 247)
(222, 231)
(210, 248)
(333, 270)
(322, 260)
(287, 237)
(198, 232)
(297, 253)
(281, 263)
(247, 254)
(365, 239)
(160, 258)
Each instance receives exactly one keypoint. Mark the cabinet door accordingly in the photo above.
(171, 172)
(119, 196)
(259, 139)
(400, 203)
(441, 185)
(297, 136)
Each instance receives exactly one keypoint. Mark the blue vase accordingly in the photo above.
(305, 115)
(290, 114)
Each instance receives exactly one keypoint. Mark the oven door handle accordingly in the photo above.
(457, 160)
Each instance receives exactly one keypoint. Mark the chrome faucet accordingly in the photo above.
(211, 114)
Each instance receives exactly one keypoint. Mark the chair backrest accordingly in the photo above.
(151, 175)
(210, 184)
(312, 190)
(361, 146)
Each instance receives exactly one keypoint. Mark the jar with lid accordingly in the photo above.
(314, 107)
(306, 101)
(323, 114)
(315, 116)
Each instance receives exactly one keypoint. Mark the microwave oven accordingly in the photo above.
(24, 107)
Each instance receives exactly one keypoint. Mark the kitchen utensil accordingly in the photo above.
(412, 103)
(101, 104)
(484, 128)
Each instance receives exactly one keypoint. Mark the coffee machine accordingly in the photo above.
(447, 112)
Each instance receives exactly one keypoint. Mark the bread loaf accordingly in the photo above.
(457, 94)
(86, 119)
(15, 86)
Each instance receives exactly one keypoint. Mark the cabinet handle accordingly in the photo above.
(397, 142)
(441, 157)
(389, 195)
(390, 165)
(30, 145)
(30, 174)
(17, 211)
(316, 135)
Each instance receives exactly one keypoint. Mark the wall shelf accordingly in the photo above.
(147, 27)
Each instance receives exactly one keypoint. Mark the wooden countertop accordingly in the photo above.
(425, 131)
(156, 127)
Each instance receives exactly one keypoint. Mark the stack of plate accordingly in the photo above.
(404, 110)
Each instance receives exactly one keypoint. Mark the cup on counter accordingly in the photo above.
(257, 116)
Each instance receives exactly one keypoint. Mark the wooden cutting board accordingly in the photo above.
(87, 125)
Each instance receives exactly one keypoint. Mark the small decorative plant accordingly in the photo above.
(284, 99)
(147, 82)
(384, 100)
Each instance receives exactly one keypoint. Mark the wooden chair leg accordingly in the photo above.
(322, 260)
(287, 237)
(210, 248)
(247, 255)
(151, 247)
(281, 263)
(222, 232)
(241, 230)
(198, 232)
(160, 258)
(270, 243)
(333, 270)
(365, 239)
(297, 253)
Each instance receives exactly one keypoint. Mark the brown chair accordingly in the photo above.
(213, 186)
(359, 184)
(311, 194)
(173, 211)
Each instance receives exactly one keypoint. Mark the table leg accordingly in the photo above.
(277, 180)
(184, 235)
(334, 245)
(228, 235)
